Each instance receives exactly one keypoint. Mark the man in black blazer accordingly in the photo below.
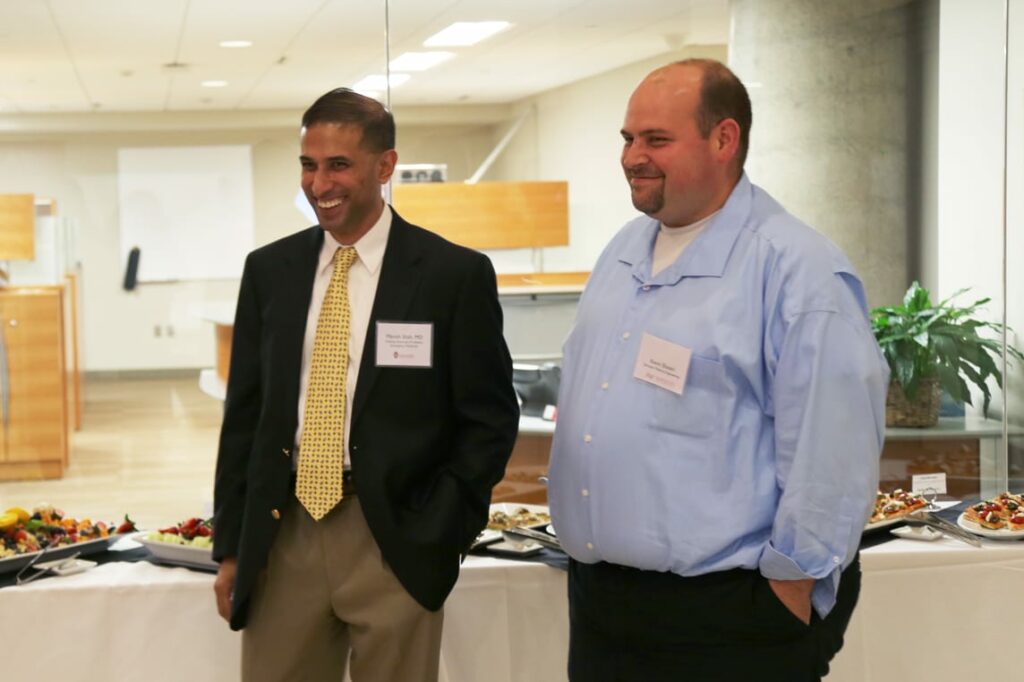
(430, 420)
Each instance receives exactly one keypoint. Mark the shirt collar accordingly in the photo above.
(709, 252)
(369, 248)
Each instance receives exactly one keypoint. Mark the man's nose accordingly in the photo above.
(321, 183)
(633, 157)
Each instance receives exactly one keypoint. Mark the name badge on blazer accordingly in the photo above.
(405, 344)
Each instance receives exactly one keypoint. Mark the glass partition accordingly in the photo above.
(1014, 244)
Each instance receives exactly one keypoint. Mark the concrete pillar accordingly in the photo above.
(836, 95)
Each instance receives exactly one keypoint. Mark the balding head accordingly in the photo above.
(722, 96)
(679, 167)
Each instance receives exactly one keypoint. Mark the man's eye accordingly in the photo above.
(339, 165)
(657, 141)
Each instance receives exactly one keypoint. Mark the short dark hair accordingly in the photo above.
(722, 96)
(343, 106)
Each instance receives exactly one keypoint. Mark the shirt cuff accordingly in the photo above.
(777, 566)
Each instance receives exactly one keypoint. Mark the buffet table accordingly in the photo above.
(935, 611)
(506, 621)
(925, 613)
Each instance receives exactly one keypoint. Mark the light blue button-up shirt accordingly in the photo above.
(769, 458)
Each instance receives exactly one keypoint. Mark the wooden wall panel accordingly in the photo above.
(489, 215)
(37, 428)
(17, 227)
(543, 279)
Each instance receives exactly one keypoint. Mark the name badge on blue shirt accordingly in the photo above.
(662, 363)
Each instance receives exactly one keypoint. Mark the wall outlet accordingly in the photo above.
(157, 331)
(170, 330)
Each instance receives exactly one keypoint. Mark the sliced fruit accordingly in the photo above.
(7, 520)
(23, 515)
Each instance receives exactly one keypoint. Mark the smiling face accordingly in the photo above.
(675, 174)
(342, 180)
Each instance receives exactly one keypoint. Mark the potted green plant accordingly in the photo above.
(933, 348)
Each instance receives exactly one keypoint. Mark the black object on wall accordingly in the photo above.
(131, 273)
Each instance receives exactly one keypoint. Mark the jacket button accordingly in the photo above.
(276, 514)
(287, 452)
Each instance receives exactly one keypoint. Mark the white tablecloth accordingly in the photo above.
(506, 621)
(940, 611)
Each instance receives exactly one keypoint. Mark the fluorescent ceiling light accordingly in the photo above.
(419, 61)
(214, 84)
(378, 82)
(235, 43)
(463, 33)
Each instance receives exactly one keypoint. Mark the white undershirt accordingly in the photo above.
(672, 241)
(362, 289)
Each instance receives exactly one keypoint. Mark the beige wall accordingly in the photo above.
(117, 326)
(79, 170)
(572, 133)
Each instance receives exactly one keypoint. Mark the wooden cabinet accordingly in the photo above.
(33, 405)
(17, 227)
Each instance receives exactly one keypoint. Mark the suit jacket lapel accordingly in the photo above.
(399, 278)
(295, 296)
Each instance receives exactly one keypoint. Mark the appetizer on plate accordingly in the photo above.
(520, 517)
(896, 504)
(195, 532)
(47, 527)
(1003, 512)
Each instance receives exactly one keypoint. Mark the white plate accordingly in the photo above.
(66, 566)
(182, 555)
(525, 548)
(85, 548)
(487, 536)
(886, 523)
(925, 533)
(1001, 534)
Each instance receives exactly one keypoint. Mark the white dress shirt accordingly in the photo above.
(362, 289)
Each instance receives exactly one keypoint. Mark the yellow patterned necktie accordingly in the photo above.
(322, 443)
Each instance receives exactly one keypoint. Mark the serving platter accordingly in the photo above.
(993, 534)
(490, 535)
(19, 561)
(179, 555)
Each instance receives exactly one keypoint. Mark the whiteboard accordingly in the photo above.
(189, 210)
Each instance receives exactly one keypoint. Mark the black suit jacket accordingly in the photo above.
(426, 444)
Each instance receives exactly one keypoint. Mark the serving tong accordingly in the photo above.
(520, 534)
(21, 578)
(927, 518)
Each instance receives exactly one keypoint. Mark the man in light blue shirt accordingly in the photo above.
(720, 418)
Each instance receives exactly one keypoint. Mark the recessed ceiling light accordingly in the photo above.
(214, 84)
(378, 82)
(419, 61)
(235, 43)
(463, 33)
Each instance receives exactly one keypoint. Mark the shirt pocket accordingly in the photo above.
(700, 410)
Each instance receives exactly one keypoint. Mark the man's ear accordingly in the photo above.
(388, 160)
(726, 140)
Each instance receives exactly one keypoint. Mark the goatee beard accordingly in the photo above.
(649, 203)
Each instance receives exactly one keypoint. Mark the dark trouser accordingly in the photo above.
(628, 625)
